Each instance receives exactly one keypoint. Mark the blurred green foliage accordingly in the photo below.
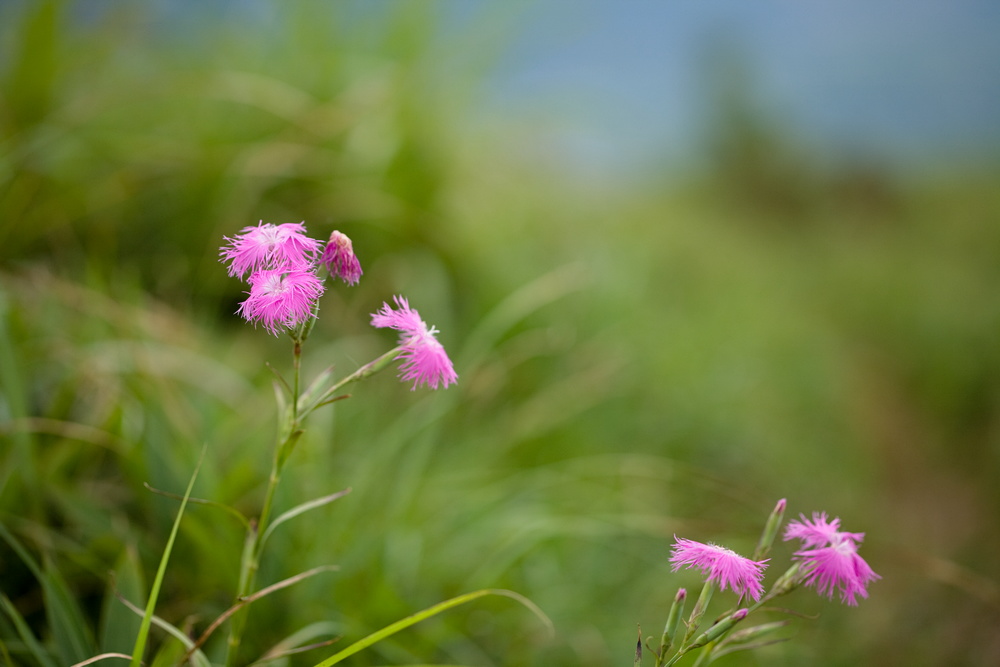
(634, 363)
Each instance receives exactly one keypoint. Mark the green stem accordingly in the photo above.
(366, 371)
(250, 562)
(289, 434)
(297, 366)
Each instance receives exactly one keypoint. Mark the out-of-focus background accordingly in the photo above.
(689, 258)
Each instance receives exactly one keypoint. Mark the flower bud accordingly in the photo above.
(340, 260)
(720, 628)
(676, 611)
(770, 530)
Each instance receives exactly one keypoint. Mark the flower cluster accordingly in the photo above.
(828, 560)
(831, 557)
(282, 263)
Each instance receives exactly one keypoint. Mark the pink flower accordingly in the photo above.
(834, 562)
(819, 531)
(425, 360)
(727, 568)
(268, 246)
(340, 260)
(282, 297)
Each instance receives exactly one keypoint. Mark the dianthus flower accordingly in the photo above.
(268, 246)
(833, 562)
(726, 568)
(340, 260)
(282, 297)
(424, 358)
(819, 531)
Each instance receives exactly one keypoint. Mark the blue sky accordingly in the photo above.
(625, 81)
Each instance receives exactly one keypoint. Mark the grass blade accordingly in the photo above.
(284, 583)
(198, 658)
(232, 511)
(413, 619)
(316, 388)
(29, 639)
(69, 628)
(719, 652)
(143, 636)
(118, 626)
(73, 639)
(299, 509)
(103, 656)
(295, 643)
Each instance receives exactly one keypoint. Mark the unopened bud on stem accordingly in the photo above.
(720, 628)
(673, 618)
(770, 530)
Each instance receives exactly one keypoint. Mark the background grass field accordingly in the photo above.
(636, 361)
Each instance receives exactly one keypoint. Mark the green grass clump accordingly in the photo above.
(634, 362)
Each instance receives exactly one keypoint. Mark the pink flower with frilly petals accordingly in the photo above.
(834, 561)
(819, 531)
(340, 260)
(726, 568)
(838, 566)
(424, 358)
(282, 297)
(268, 246)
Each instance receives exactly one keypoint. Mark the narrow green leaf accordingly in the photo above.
(72, 636)
(232, 511)
(285, 449)
(296, 642)
(316, 388)
(169, 654)
(143, 636)
(282, 382)
(199, 658)
(243, 602)
(282, 401)
(119, 627)
(720, 651)
(331, 400)
(73, 641)
(413, 619)
(29, 639)
(749, 634)
(5, 654)
(300, 509)
(103, 656)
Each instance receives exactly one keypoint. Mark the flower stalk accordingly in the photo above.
(670, 629)
(282, 265)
